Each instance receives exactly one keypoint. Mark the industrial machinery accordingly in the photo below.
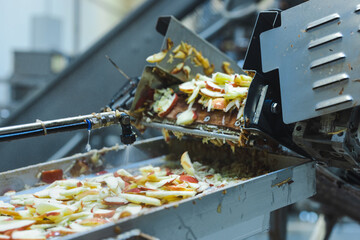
(303, 96)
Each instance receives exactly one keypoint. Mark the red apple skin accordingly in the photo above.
(218, 103)
(104, 215)
(213, 87)
(172, 105)
(51, 176)
(187, 178)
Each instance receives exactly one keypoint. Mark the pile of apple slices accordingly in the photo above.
(72, 205)
(221, 92)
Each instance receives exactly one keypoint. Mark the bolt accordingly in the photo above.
(275, 108)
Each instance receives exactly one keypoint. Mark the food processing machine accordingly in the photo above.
(323, 77)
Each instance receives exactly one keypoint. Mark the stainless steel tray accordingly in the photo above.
(235, 211)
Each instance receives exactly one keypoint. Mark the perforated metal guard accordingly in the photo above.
(317, 52)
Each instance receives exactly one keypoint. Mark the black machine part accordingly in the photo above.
(332, 139)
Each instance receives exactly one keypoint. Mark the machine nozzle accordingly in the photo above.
(127, 136)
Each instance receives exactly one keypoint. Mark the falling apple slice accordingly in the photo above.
(186, 163)
(211, 94)
(15, 225)
(214, 87)
(157, 57)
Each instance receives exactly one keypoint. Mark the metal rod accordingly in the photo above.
(91, 121)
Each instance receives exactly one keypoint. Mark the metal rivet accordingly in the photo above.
(207, 118)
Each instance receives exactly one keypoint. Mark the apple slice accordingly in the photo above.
(115, 200)
(242, 80)
(235, 92)
(93, 221)
(187, 164)
(218, 103)
(134, 198)
(187, 178)
(157, 57)
(214, 87)
(5, 205)
(130, 209)
(51, 176)
(28, 234)
(4, 237)
(87, 193)
(103, 213)
(162, 193)
(211, 94)
(186, 118)
(187, 87)
(168, 106)
(15, 225)
(222, 78)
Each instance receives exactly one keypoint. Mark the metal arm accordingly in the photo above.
(91, 121)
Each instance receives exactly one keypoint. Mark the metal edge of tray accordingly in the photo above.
(210, 214)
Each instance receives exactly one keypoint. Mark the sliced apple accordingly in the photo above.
(93, 221)
(131, 209)
(222, 78)
(156, 185)
(187, 87)
(214, 87)
(9, 212)
(28, 234)
(168, 106)
(51, 176)
(123, 173)
(87, 193)
(103, 213)
(15, 225)
(162, 194)
(4, 237)
(115, 200)
(211, 94)
(5, 205)
(187, 164)
(219, 103)
(134, 198)
(187, 178)
(242, 80)
(177, 68)
(186, 118)
(235, 92)
(68, 183)
(157, 57)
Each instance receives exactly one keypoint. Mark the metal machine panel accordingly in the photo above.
(316, 51)
(178, 33)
